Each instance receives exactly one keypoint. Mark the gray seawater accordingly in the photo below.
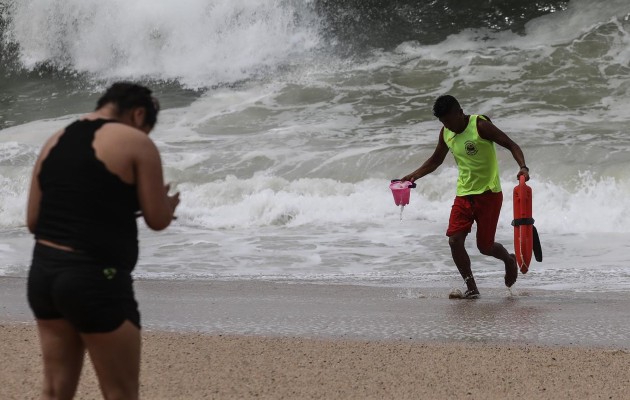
(284, 121)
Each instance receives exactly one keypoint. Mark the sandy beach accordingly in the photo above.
(291, 271)
(305, 341)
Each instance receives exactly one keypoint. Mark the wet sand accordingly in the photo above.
(232, 340)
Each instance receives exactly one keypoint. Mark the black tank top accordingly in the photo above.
(84, 205)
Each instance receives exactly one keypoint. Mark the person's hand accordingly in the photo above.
(523, 171)
(409, 178)
(173, 199)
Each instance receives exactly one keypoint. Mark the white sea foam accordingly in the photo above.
(289, 177)
(199, 43)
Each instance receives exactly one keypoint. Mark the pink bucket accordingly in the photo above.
(401, 191)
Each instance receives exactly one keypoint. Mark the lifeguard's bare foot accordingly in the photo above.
(511, 271)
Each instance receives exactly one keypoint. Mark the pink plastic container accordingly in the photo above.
(401, 191)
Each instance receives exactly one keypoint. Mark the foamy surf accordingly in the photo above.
(283, 153)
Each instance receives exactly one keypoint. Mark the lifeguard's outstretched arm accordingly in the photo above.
(432, 163)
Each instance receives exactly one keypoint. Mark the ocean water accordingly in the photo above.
(284, 121)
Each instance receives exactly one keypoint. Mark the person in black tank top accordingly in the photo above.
(90, 183)
(84, 205)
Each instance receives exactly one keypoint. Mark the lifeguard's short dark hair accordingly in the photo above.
(128, 95)
(445, 104)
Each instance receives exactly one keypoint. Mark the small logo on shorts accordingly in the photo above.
(471, 150)
(109, 273)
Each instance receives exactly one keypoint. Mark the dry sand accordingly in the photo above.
(198, 366)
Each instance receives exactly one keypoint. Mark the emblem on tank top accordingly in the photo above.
(109, 273)
(471, 149)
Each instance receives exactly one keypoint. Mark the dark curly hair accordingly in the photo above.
(127, 95)
(445, 104)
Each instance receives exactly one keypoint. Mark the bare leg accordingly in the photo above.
(462, 260)
(511, 269)
(62, 353)
(116, 359)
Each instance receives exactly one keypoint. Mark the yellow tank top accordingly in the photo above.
(476, 160)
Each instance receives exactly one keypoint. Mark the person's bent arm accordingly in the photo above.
(35, 192)
(34, 198)
(489, 131)
(432, 163)
(156, 204)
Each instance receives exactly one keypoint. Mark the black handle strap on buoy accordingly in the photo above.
(522, 221)
(536, 246)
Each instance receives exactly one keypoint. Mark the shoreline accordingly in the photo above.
(338, 311)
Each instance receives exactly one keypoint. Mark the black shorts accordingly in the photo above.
(92, 296)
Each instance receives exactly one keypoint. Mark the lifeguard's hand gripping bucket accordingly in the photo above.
(401, 191)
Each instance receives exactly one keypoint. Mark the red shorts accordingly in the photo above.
(484, 209)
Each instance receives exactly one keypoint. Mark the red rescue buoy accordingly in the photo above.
(523, 225)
